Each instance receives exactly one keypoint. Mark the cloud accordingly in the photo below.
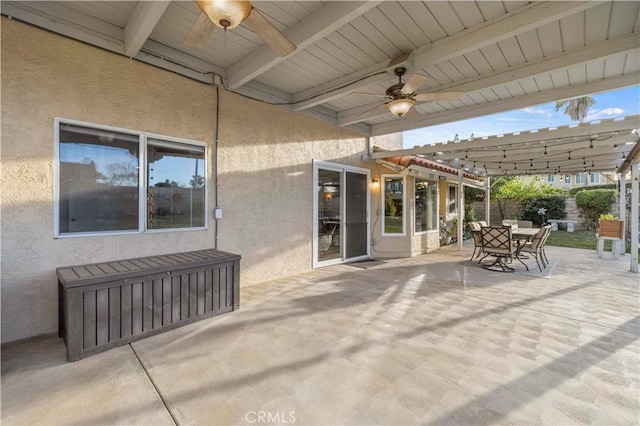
(596, 114)
(537, 111)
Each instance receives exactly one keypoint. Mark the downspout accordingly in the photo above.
(635, 190)
(460, 207)
(487, 200)
(622, 203)
(215, 155)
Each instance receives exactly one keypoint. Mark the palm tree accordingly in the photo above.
(576, 108)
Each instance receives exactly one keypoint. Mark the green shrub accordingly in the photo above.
(594, 202)
(554, 207)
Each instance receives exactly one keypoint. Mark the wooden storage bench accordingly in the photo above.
(104, 305)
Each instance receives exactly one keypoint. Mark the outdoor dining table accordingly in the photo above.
(522, 235)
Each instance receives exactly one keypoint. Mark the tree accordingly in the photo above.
(166, 184)
(508, 189)
(576, 108)
(197, 181)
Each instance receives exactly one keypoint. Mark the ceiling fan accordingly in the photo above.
(228, 14)
(403, 95)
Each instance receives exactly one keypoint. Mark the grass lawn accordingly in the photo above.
(580, 239)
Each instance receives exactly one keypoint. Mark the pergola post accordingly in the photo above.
(487, 200)
(622, 202)
(634, 216)
(460, 207)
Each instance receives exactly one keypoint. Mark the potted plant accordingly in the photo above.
(610, 226)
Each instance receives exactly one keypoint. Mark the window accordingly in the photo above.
(551, 178)
(581, 178)
(393, 196)
(426, 206)
(596, 178)
(567, 178)
(452, 201)
(118, 181)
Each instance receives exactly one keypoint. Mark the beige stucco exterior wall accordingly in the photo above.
(266, 183)
(265, 167)
(409, 244)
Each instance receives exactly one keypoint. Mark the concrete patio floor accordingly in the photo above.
(432, 340)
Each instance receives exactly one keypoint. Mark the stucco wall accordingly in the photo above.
(266, 183)
(265, 167)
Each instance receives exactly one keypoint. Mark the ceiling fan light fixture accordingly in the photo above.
(225, 14)
(400, 107)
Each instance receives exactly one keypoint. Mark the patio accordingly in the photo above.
(432, 339)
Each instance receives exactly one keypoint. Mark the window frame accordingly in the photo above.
(415, 206)
(598, 178)
(551, 178)
(383, 194)
(581, 178)
(142, 179)
(455, 201)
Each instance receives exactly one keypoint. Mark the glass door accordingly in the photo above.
(356, 223)
(329, 209)
(341, 218)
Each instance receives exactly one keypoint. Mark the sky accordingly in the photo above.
(616, 103)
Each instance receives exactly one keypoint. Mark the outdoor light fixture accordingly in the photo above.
(400, 107)
(375, 182)
(225, 14)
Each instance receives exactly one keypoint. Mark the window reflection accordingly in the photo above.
(98, 180)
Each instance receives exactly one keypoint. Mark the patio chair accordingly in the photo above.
(525, 224)
(483, 223)
(474, 226)
(544, 242)
(536, 247)
(497, 241)
(510, 222)
(477, 244)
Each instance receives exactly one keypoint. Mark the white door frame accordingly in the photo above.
(342, 168)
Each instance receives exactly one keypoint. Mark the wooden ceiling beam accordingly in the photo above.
(141, 23)
(516, 102)
(314, 27)
(526, 70)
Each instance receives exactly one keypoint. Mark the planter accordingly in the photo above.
(610, 228)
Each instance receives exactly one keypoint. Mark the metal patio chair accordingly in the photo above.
(536, 247)
(497, 241)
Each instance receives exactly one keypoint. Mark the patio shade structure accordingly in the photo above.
(602, 146)
(500, 55)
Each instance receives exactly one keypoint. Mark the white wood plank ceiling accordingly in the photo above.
(502, 55)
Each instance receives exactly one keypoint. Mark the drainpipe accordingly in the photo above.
(460, 207)
(622, 203)
(634, 216)
(487, 200)
(215, 155)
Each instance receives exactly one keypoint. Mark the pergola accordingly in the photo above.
(603, 146)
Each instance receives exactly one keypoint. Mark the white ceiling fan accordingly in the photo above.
(403, 95)
(228, 14)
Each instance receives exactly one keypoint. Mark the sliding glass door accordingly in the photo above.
(341, 214)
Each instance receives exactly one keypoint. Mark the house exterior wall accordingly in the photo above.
(264, 166)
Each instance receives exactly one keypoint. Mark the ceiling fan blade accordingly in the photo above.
(414, 83)
(200, 33)
(438, 96)
(374, 95)
(270, 34)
